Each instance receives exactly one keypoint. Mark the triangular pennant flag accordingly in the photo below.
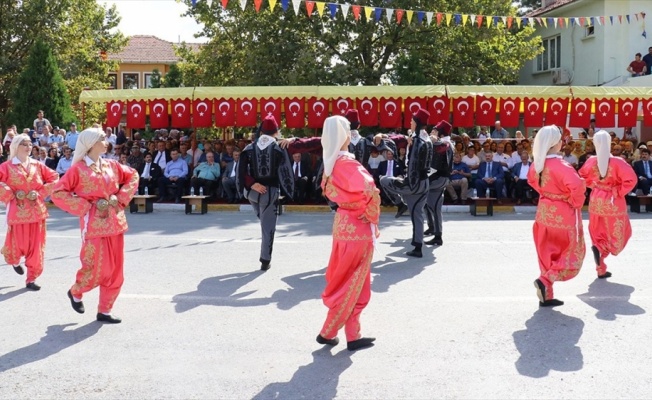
(525, 21)
(601, 21)
(465, 17)
(539, 21)
(409, 13)
(578, 22)
(566, 22)
(518, 23)
(296, 4)
(243, 4)
(399, 16)
(544, 21)
(257, 4)
(627, 16)
(194, 3)
(320, 7)
(611, 17)
(429, 17)
(531, 21)
(379, 14)
(285, 4)
(367, 12)
(581, 21)
(457, 19)
(636, 16)
(592, 21)
(480, 18)
(420, 15)
(310, 7)
(620, 19)
(224, 4)
(556, 20)
(495, 21)
(345, 9)
(356, 12)
(389, 13)
(504, 19)
(439, 16)
(509, 22)
(272, 4)
(472, 18)
(572, 21)
(448, 19)
(333, 8)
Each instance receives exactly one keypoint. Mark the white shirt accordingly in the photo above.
(146, 169)
(471, 162)
(374, 162)
(161, 160)
(500, 158)
(571, 159)
(390, 168)
(296, 167)
(235, 169)
(524, 170)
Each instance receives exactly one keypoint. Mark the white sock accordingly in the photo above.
(76, 299)
(107, 314)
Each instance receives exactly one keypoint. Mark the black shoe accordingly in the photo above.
(33, 286)
(605, 275)
(436, 241)
(361, 343)
(551, 303)
(19, 269)
(596, 255)
(541, 290)
(429, 232)
(108, 318)
(76, 305)
(415, 253)
(402, 208)
(331, 342)
(264, 265)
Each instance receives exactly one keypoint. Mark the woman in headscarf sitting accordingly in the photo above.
(610, 179)
(558, 232)
(24, 185)
(348, 275)
(97, 190)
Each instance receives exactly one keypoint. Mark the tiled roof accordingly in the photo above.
(146, 49)
(550, 7)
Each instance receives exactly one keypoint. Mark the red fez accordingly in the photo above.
(353, 117)
(269, 126)
(443, 127)
(421, 117)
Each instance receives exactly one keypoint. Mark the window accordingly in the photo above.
(113, 81)
(148, 80)
(130, 80)
(551, 56)
(589, 31)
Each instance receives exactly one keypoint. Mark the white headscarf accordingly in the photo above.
(336, 130)
(602, 143)
(15, 142)
(546, 138)
(87, 138)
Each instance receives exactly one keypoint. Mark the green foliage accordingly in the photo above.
(78, 31)
(41, 87)
(174, 77)
(155, 79)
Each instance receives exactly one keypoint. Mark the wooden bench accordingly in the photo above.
(635, 203)
(200, 203)
(487, 202)
(142, 203)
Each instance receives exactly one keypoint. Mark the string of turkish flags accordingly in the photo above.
(383, 112)
(374, 14)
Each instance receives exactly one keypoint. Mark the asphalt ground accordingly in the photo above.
(200, 320)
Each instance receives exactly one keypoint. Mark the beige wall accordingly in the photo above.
(140, 70)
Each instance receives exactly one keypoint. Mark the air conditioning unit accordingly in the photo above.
(561, 77)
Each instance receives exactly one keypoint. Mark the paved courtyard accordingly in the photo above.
(201, 321)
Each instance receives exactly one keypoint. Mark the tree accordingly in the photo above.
(174, 77)
(155, 79)
(78, 31)
(41, 87)
(281, 48)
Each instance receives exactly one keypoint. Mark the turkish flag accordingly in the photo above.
(533, 112)
(158, 114)
(368, 111)
(557, 112)
(271, 107)
(317, 112)
(580, 116)
(181, 113)
(510, 112)
(390, 113)
(605, 113)
(627, 112)
(114, 113)
(412, 105)
(247, 114)
(341, 105)
(439, 109)
(136, 114)
(647, 112)
(295, 113)
(463, 112)
(224, 113)
(202, 113)
(485, 111)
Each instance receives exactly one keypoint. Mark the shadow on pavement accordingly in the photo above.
(317, 380)
(9, 295)
(56, 339)
(398, 267)
(610, 299)
(549, 342)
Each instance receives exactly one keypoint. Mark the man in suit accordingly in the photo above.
(229, 178)
(390, 167)
(149, 174)
(519, 174)
(302, 177)
(490, 175)
(643, 169)
(162, 156)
